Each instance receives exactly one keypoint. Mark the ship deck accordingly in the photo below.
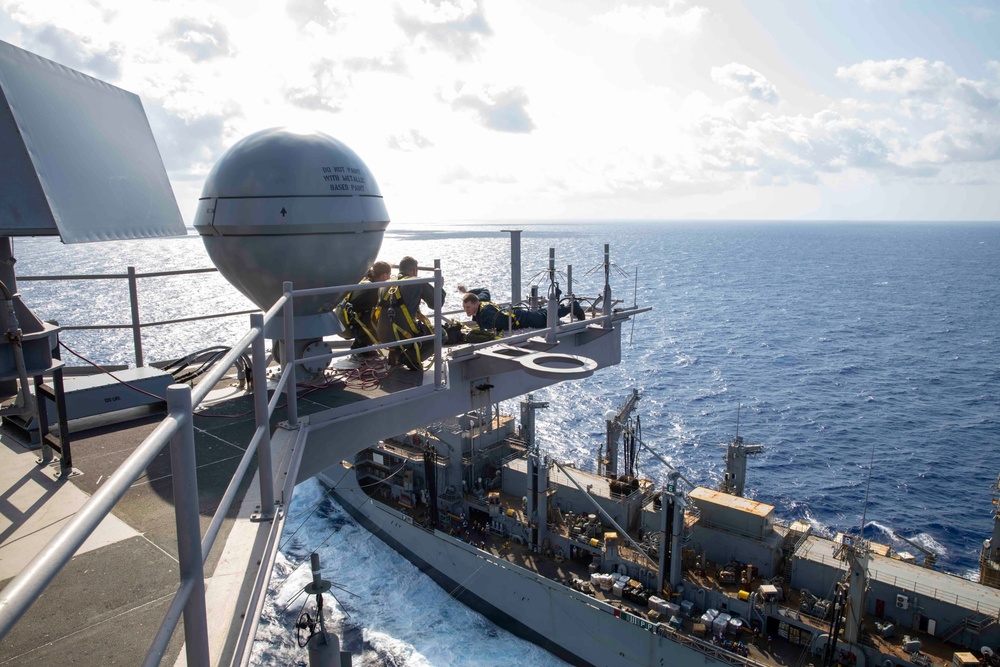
(564, 570)
(106, 604)
(939, 652)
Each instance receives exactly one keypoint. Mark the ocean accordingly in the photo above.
(865, 357)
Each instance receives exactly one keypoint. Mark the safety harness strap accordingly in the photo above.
(500, 311)
(393, 302)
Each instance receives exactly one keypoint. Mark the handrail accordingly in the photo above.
(436, 336)
(176, 429)
(135, 325)
(180, 320)
(25, 588)
(115, 276)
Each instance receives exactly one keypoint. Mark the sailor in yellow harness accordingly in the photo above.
(399, 316)
(357, 311)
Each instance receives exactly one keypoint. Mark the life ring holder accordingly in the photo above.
(544, 364)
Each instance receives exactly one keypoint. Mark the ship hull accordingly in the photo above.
(573, 626)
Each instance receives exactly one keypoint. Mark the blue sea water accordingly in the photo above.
(835, 345)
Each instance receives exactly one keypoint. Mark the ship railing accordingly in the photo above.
(965, 602)
(711, 650)
(975, 622)
(707, 648)
(481, 451)
(514, 456)
(971, 604)
(717, 653)
(290, 365)
(136, 325)
(692, 515)
(409, 453)
(801, 541)
(177, 431)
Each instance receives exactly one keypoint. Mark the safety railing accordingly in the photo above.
(436, 335)
(135, 325)
(982, 606)
(177, 429)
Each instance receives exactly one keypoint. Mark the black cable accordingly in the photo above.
(109, 373)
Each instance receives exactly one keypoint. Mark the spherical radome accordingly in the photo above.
(282, 205)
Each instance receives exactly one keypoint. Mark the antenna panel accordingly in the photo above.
(80, 160)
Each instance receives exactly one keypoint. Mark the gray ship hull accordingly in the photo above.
(569, 624)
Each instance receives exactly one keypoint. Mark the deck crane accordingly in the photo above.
(929, 556)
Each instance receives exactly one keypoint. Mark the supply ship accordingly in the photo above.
(122, 521)
(609, 568)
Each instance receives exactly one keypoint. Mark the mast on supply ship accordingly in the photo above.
(737, 453)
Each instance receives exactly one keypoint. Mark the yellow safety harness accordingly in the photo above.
(392, 301)
(346, 314)
(500, 311)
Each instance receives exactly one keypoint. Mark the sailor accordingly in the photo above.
(358, 308)
(399, 316)
(490, 317)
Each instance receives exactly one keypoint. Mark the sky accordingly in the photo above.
(496, 110)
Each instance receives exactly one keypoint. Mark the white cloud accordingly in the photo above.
(915, 76)
(409, 141)
(455, 26)
(678, 17)
(85, 46)
(982, 96)
(747, 82)
(327, 88)
(318, 12)
(200, 38)
(500, 110)
(960, 145)
(528, 108)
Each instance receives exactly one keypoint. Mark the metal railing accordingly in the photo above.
(135, 324)
(177, 429)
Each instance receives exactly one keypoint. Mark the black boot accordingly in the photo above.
(578, 311)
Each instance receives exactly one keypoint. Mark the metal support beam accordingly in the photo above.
(291, 386)
(258, 362)
(184, 473)
(133, 300)
(515, 265)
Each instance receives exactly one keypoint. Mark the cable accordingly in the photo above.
(316, 506)
(303, 622)
(109, 373)
(366, 376)
(180, 363)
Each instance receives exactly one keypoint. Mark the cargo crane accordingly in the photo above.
(929, 556)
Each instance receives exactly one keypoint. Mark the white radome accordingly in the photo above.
(285, 205)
